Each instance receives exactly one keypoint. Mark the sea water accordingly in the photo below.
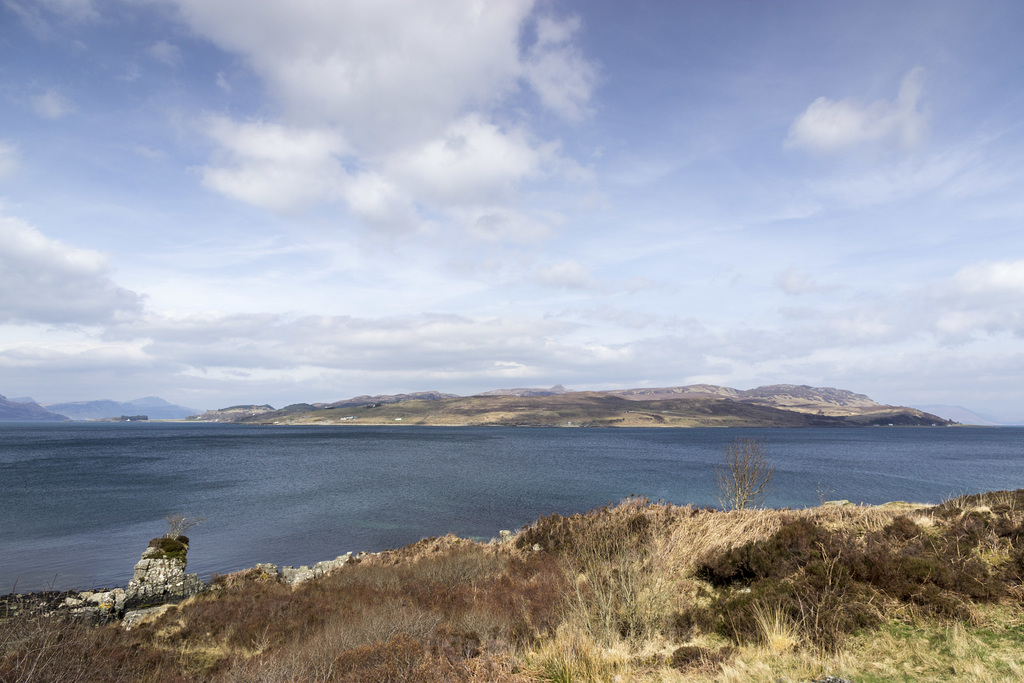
(80, 501)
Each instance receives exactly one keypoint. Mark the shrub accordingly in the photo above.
(396, 661)
(170, 548)
(744, 476)
(690, 657)
(791, 547)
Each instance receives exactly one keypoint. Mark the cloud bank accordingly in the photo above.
(47, 281)
(395, 109)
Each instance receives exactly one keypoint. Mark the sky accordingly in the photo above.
(221, 202)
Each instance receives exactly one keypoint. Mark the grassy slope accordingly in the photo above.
(632, 592)
(591, 409)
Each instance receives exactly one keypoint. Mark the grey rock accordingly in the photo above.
(161, 580)
(135, 617)
(293, 576)
(92, 615)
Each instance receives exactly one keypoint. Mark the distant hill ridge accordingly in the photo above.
(153, 407)
(21, 411)
(693, 405)
(388, 398)
(791, 396)
(553, 391)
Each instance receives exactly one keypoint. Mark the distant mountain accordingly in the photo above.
(18, 411)
(151, 406)
(800, 398)
(553, 391)
(387, 398)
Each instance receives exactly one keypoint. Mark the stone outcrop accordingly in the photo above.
(160, 575)
(97, 606)
(296, 575)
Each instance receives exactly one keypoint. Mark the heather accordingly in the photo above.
(635, 591)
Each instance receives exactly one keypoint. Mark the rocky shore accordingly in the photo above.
(158, 581)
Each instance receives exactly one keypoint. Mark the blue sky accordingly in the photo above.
(220, 202)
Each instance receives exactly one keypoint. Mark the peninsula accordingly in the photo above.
(700, 405)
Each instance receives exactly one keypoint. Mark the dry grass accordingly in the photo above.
(631, 592)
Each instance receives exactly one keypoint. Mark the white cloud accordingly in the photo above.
(8, 159)
(222, 82)
(149, 152)
(896, 181)
(379, 203)
(165, 53)
(275, 166)
(427, 342)
(472, 162)
(795, 283)
(390, 73)
(1000, 277)
(412, 88)
(565, 275)
(36, 16)
(620, 317)
(467, 174)
(830, 126)
(981, 299)
(132, 72)
(51, 105)
(78, 10)
(56, 356)
(502, 224)
(557, 70)
(51, 282)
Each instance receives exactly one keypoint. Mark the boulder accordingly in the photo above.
(139, 616)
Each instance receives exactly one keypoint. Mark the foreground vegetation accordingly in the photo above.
(638, 591)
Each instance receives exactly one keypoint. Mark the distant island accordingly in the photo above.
(699, 405)
(152, 407)
(24, 409)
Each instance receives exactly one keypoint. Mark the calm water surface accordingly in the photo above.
(79, 501)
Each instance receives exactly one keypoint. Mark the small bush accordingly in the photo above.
(790, 548)
(170, 548)
(689, 657)
(745, 476)
(398, 660)
(691, 621)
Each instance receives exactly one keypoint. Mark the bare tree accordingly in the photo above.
(178, 523)
(744, 476)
